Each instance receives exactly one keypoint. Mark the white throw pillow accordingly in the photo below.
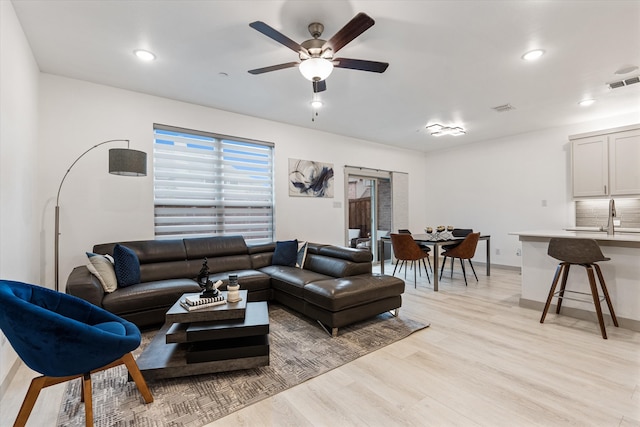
(302, 254)
(101, 267)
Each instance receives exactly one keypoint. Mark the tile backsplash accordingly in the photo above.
(593, 213)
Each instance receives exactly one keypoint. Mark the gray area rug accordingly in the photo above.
(300, 350)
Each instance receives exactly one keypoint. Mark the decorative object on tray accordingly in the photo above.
(209, 289)
(442, 233)
(233, 289)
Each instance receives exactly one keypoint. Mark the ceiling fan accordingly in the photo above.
(316, 55)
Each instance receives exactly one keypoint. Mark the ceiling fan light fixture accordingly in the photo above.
(316, 69)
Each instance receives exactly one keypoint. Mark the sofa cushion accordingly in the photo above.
(346, 292)
(250, 280)
(286, 253)
(217, 246)
(127, 266)
(148, 295)
(291, 279)
(336, 267)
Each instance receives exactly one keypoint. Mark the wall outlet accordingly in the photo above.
(337, 205)
(497, 251)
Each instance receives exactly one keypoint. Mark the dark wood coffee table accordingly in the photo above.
(221, 338)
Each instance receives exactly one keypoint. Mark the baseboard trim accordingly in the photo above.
(582, 314)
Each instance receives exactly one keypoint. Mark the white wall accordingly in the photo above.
(499, 186)
(97, 207)
(19, 249)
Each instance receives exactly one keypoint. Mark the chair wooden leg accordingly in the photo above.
(425, 269)
(29, 401)
(473, 269)
(606, 294)
(444, 261)
(596, 299)
(30, 398)
(464, 272)
(563, 286)
(135, 373)
(88, 400)
(556, 278)
(452, 261)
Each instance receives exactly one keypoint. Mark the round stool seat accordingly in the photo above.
(575, 251)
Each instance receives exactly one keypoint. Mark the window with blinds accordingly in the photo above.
(211, 185)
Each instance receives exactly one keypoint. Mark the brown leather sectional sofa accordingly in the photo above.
(335, 286)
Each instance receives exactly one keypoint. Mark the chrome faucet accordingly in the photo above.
(612, 214)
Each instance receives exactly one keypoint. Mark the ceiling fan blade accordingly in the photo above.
(319, 86)
(358, 25)
(277, 36)
(274, 68)
(360, 64)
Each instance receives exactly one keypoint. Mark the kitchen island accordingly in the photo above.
(621, 273)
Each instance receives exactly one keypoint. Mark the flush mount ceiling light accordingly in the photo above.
(316, 103)
(439, 130)
(316, 69)
(532, 55)
(586, 102)
(144, 55)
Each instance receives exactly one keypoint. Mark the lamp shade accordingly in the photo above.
(124, 161)
(316, 69)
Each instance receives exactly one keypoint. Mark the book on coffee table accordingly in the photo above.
(190, 307)
(197, 300)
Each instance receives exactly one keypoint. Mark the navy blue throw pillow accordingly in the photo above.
(126, 266)
(286, 253)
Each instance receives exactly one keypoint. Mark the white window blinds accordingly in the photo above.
(208, 185)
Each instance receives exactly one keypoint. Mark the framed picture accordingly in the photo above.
(310, 179)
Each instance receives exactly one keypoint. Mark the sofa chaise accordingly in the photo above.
(335, 285)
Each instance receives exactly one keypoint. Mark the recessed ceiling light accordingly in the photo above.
(586, 102)
(144, 55)
(627, 69)
(532, 55)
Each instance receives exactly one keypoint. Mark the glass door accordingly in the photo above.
(369, 211)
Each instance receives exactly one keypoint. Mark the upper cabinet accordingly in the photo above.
(606, 163)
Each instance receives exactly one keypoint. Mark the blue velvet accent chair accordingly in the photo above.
(63, 338)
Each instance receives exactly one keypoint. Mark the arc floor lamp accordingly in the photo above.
(122, 161)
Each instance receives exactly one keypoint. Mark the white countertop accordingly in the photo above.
(596, 235)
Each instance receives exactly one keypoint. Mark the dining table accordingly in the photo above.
(436, 243)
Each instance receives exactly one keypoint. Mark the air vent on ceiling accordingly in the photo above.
(503, 108)
(625, 82)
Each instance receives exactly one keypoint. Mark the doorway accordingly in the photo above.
(369, 210)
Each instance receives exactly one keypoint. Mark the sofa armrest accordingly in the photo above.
(82, 284)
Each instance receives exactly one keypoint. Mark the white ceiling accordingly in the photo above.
(450, 61)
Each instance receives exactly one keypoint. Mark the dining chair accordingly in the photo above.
(425, 248)
(457, 232)
(465, 250)
(63, 338)
(406, 249)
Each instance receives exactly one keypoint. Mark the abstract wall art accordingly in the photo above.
(310, 179)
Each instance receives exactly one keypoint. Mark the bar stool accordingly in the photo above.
(584, 252)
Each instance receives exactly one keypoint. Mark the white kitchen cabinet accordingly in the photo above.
(606, 163)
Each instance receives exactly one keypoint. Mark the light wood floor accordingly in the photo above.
(483, 362)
